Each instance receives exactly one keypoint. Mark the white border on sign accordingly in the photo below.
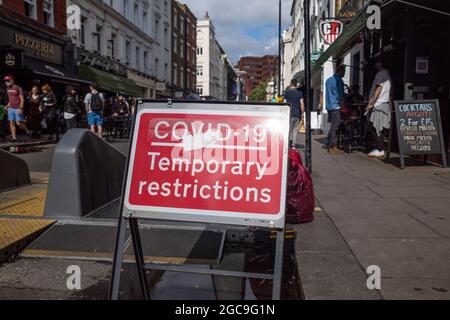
(209, 216)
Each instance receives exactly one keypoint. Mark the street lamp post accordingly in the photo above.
(308, 136)
(279, 48)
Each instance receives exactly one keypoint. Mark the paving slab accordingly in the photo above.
(328, 276)
(404, 258)
(376, 218)
(415, 289)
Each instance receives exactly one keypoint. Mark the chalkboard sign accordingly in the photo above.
(419, 128)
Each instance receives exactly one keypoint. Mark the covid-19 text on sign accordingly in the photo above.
(208, 163)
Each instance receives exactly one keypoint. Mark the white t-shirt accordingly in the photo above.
(382, 79)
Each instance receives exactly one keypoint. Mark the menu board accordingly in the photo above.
(419, 128)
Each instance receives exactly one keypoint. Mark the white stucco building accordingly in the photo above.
(286, 58)
(132, 33)
(211, 62)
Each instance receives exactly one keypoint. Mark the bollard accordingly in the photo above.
(86, 174)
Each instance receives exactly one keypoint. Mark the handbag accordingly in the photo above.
(301, 127)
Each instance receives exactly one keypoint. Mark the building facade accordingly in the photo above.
(126, 39)
(212, 72)
(257, 70)
(184, 56)
(34, 47)
(286, 58)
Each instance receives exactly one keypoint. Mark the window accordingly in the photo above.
(96, 38)
(175, 73)
(156, 66)
(136, 14)
(200, 90)
(199, 51)
(166, 69)
(166, 38)
(138, 58)
(199, 71)
(128, 51)
(156, 29)
(126, 5)
(146, 62)
(182, 77)
(181, 48)
(182, 26)
(30, 9)
(48, 13)
(82, 32)
(166, 7)
(145, 22)
(175, 44)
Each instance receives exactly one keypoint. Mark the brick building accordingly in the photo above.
(33, 44)
(257, 70)
(184, 43)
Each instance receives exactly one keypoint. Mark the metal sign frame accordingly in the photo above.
(403, 152)
(132, 217)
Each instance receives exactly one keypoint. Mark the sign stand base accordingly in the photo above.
(142, 267)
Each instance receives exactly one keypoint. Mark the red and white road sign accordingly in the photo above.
(209, 165)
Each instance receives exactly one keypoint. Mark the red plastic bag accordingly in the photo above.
(300, 191)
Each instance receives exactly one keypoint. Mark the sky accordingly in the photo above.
(244, 27)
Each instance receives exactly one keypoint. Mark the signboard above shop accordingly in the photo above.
(32, 45)
(209, 163)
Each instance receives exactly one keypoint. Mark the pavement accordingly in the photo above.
(373, 213)
(368, 213)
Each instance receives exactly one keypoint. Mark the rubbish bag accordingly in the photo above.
(300, 191)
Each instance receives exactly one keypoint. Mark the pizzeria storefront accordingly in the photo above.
(35, 57)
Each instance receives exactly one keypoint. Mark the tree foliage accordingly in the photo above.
(259, 93)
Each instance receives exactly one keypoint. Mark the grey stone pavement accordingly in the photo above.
(373, 213)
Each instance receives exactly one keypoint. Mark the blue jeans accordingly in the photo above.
(15, 115)
(334, 117)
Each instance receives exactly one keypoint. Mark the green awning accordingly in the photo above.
(351, 30)
(110, 82)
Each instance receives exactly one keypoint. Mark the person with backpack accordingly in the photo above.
(94, 102)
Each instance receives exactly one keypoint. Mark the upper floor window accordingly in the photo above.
(48, 13)
(30, 9)
(199, 51)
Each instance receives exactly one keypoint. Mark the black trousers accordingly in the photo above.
(334, 117)
(71, 123)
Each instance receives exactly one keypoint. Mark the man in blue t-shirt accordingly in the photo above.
(334, 87)
(294, 97)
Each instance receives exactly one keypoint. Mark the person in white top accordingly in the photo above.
(379, 108)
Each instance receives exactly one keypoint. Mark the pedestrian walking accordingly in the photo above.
(71, 108)
(94, 103)
(334, 87)
(49, 111)
(3, 113)
(33, 114)
(15, 106)
(294, 97)
(120, 107)
(379, 108)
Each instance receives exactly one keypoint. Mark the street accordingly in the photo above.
(268, 152)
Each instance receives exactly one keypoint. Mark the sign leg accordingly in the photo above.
(117, 261)
(402, 161)
(278, 268)
(139, 256)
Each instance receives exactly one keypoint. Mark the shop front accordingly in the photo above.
(34, 57)
(145, 83)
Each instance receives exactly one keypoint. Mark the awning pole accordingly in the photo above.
(308, 145)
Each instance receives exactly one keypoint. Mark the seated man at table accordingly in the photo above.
(120, 107)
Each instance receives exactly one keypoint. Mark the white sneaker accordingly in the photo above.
(376, 154)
